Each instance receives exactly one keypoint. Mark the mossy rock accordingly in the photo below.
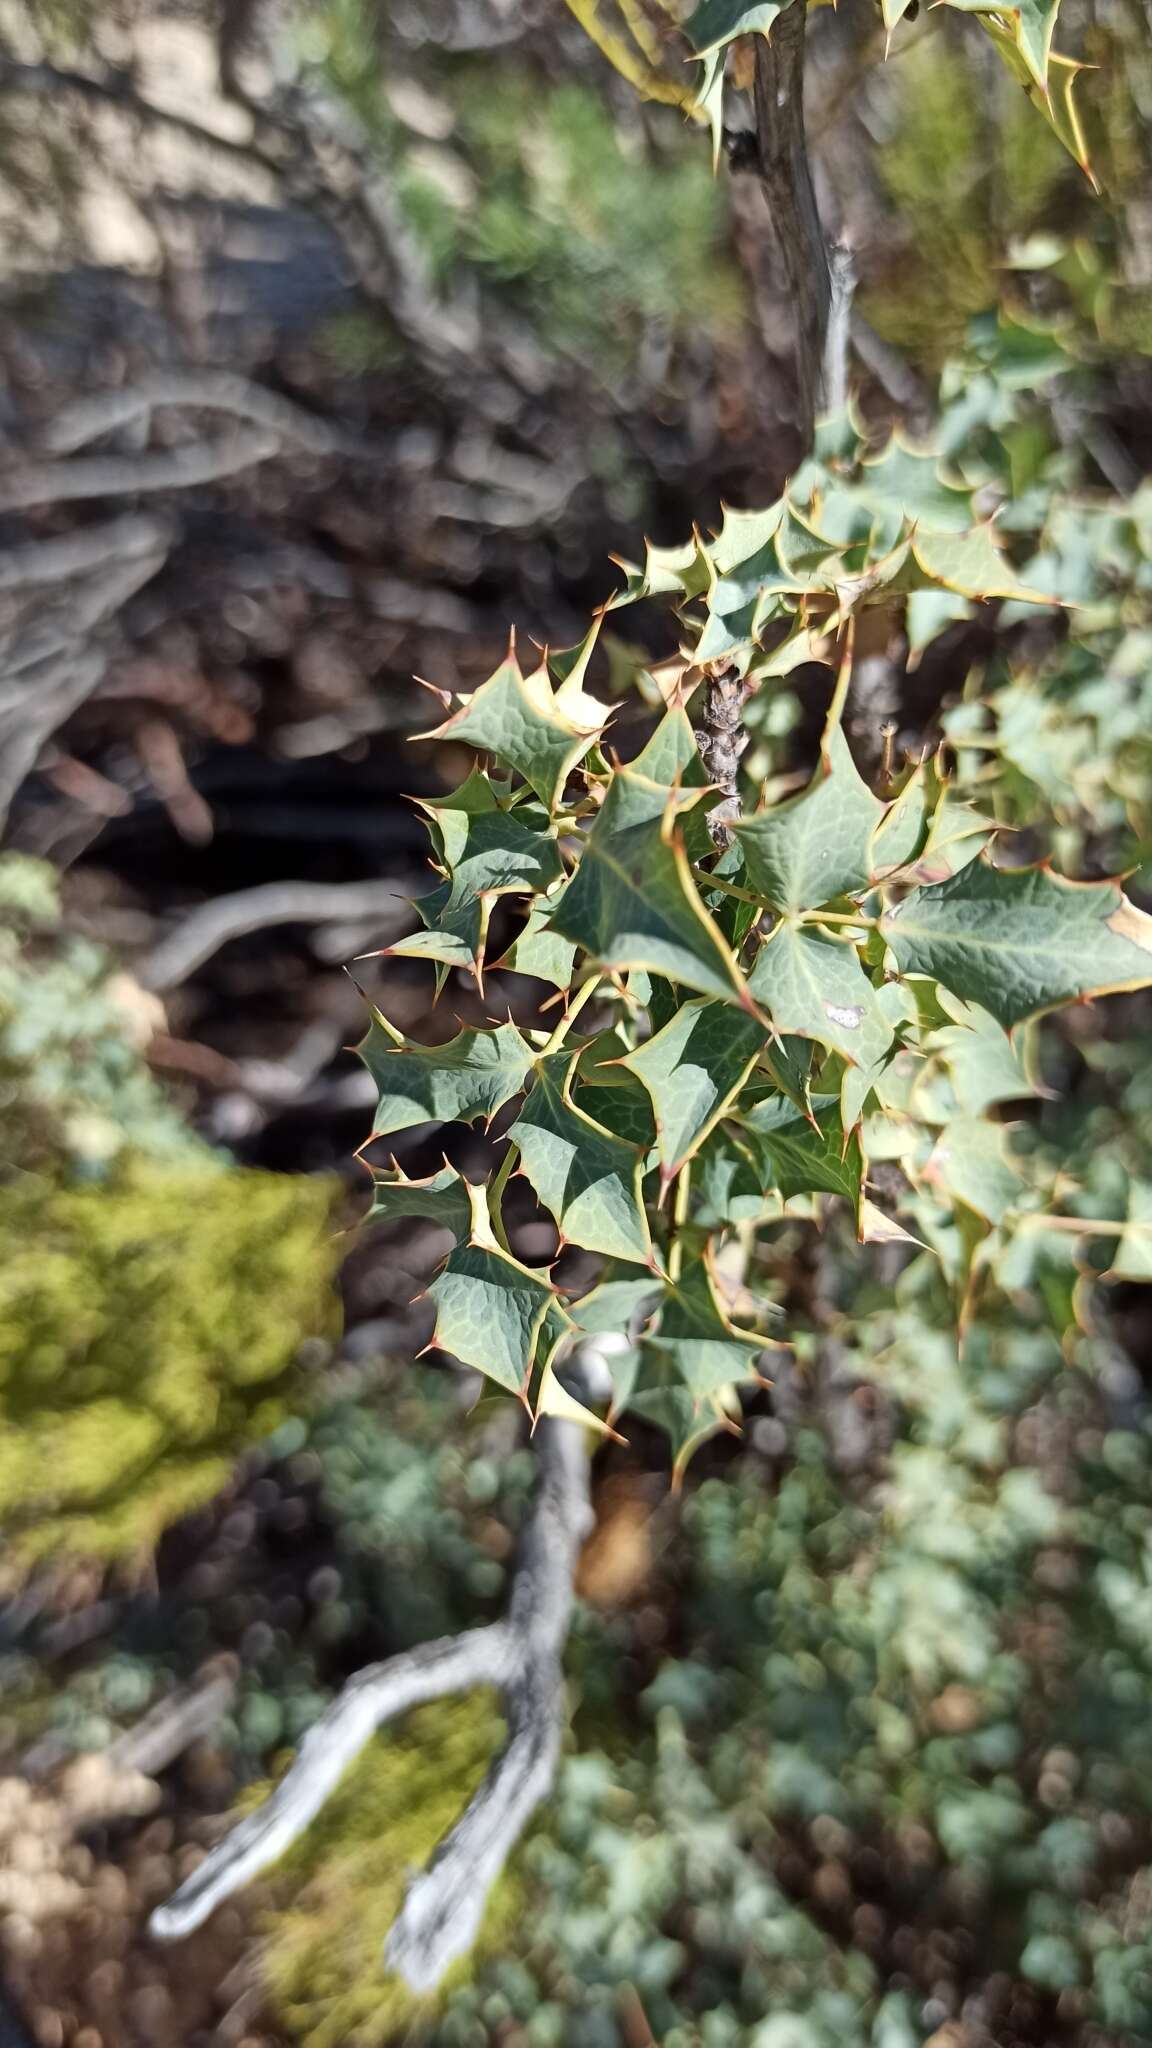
(322, 1956)
(148, 1331)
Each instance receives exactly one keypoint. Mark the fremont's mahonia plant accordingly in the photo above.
(648, 40)
(748, 1008)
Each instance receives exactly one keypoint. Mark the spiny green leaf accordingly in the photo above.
(968, 1163)
(902, 831)
(801, 1158)
(715, 22)
(680, 571)
(707, 1351)
(816, 846)
(692, 1070)
(474, 1075)
(540, 951)
(727, 1188)
(659, 1396)
(972, 565)
(442, 1198)
(814, 986)
(612, 1096)
(1030, 23)
(672, 755)
(588, 1179)
(984, 1064)
(520, 720)
(928, 613)
(907, 481)
(1018, 941)
(490, 1311)
(456, 926)
(632, 901)
(1055, 98)
(496, 852)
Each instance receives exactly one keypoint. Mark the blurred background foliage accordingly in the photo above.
(859, 1755)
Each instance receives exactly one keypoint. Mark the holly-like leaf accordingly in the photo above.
(660, 1397)
(455, 928)
(527, 726)
(472, 1076)
(706, 1350)
(814, 986)
(672, 755)
(971, 565)
(983, 1063)
(490, 1311)
(612, 1096)
(907, 483)
(727, 1188)
(492, 851)
(586, 1177)
(693, 1069)
(1030, 24)
(969, 1163)
(540, 951)
(817, 846)
(442, 1198)
(927, 614)
(877, 1227)
(632, 901)
(1053, 97)
(1019, 941)
(716, 22)
(802, 1158)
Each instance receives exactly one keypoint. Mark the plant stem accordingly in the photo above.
(584, 995)
(496, 1187)
(729, 888)
(679, 1218)
(786, 176)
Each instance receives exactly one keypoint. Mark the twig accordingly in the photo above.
(521, 1655)
(842, 272)
(114, 476)
(786, 176)
(210, 390)
(44, 562)
(723, 738)
(206, 929)
(166, 1731)
(893, 372)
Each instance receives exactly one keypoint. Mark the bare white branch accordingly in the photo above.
(161, 469)
(212, 925)
(209, 390)
(520, 1655)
